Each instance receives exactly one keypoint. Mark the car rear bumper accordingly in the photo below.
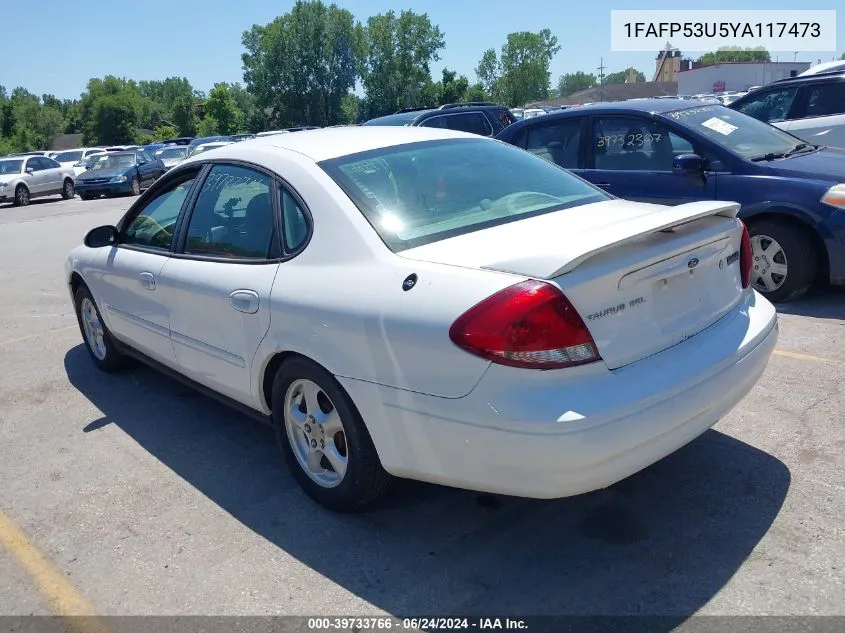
(565, 432)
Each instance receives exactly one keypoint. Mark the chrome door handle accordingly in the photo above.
(244, 301)
(147, 280)
(603, 185)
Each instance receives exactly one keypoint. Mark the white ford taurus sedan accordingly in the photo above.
(433, 305)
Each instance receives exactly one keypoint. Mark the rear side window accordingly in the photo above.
(771, 106)
(558, 142)
(419, 193)
(472, 122)
(825, 100)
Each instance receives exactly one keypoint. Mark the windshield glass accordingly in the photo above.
(736, 131)
(10, 166)
(172, 152)
(67, 157)
(113, 161)
(420, 193)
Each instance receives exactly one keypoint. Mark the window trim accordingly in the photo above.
(453, 114)
(144, 201)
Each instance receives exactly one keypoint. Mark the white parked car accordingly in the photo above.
(172, 155)
(430, 304)
(71, 157)
(204, 147)
(26, 177)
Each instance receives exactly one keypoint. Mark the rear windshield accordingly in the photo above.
(420, 193)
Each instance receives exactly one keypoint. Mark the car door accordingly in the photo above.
(820, 115)
(128, 287)
(145, 169)
(631, 156)
(53, 177)
(35, 177)
(219, 281)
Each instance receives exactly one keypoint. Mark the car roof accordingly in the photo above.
(824, 75)
(400, 118)
(328, 143)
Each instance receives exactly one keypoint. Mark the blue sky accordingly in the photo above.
(154, 39)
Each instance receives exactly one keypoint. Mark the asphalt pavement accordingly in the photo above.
(147, 498)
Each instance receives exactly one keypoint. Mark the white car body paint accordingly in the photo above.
(673, 361)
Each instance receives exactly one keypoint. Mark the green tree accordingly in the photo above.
(488, 71)
(208, 126)
(350, 107)
(396, 66)
(184, 116)
(843, 56)
(452, 89)
(726, 54)
(113, 121)
(222, 107)
(524, 67)
(164, 132)
(476, 92)
(300, 66)
(570, 83)
(622, 76)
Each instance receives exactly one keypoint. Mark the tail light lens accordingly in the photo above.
(745, 256)
(531, 325)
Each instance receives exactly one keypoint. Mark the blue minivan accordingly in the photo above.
(669, 152)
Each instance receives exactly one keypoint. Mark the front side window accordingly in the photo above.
(419, 193)
(826, 100)
(233, 216)
(154, 226)
(771, 106)
(472, 122)
(632, 144)
(558, 142)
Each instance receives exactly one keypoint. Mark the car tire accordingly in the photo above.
(334, 421)
(68, 191)
(98, 340)
(22, 198)
(136, 186)
(85, 196)
(775, 244)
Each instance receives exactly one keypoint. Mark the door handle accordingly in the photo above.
(244, 301)
(603, 185)
(147, 280)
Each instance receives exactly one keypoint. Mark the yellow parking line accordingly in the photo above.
(31, 336)
(62, 596)
(799, 356)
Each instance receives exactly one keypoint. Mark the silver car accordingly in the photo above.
(25, 177)
(172, 155)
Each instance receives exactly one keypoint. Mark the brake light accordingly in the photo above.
(531, 325)
(745, 256)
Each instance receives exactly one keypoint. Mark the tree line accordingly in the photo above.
(301, 68)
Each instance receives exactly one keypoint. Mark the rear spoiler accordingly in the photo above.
(587, 244)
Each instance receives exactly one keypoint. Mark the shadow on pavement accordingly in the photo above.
(662, 542)
(821, 303)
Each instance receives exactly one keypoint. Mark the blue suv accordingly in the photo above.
(670, 152)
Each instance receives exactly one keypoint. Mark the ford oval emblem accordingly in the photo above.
(692, 263)
(410, 282)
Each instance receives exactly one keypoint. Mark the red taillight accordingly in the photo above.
(531, 324)
(745, 256)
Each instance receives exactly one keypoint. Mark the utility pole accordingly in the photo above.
(601, 70)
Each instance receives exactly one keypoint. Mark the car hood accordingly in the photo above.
(826, 164)
(103, 173)
(6, 179)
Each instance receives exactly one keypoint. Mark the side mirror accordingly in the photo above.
(30, 170)
(101, 236)
(688, 165)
